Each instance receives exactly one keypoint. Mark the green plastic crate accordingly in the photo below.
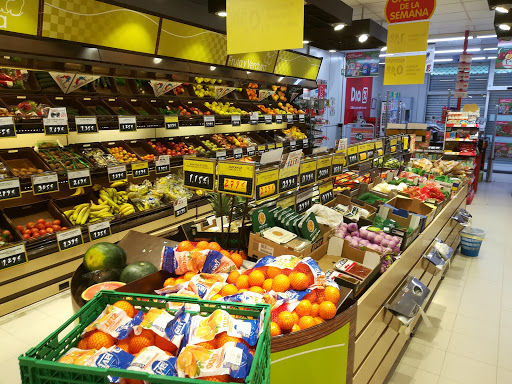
(39, 365)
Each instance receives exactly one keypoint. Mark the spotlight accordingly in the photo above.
(363, 38)
(504, 27)
(157, 60)
(339, 27)
(332, 50)
(221, 14)
(501, 9)
(306, 42)
(213, 67)
(280, 79)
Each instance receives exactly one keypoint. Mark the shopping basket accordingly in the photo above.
(39, 365)
(470, 241)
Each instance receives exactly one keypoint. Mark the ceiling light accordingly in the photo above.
(280, 79)
(157, 60)
(442, 60)
(479, 58)
(339, 27)
(458, 50)
(363, 38)
(213, 67)
(486, 36)
(222, 14)
(306, 42)
(384, 49)
(332, 50)
(504, 27)
(491, 57)
(491, 49)
(440, 40)
(382, 63)
(248, 72)
(501, 9)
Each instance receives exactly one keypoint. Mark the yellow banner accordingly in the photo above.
(407, 37)
(296, 65)
(256, 61)
(264, 25)
(405, 70)
(235, 168)
(19, 16)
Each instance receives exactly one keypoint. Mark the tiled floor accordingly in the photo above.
(470, 341)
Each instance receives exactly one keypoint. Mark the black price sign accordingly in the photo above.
(237, 153)
(127, 123)
(55, 126)
(86, 124)
(289, 118)
(254, 118)
(307, 172)
(7, 127)
(305, 144)
(323, 167)
(352, 155)
(262, 149)
(140, 169)
(279, 119)
(10, 189)
(293, 145)
(236, 120)
(162, 164)
(268, 119)
(209, 121)
(99, 230)
(199, 174)
(338, 163)
(116, 173)
(251, 151)
(13, 255)
(45, 183)
(180, 207)
(220, 155)
(302, 118)
(79, 178)
(326, 193)
(304, 201)
(287, 183)
(171, 122)
(235, 178)
(69, 239)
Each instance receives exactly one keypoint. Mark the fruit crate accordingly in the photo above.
(29, 84)
(40, 364)
(120, 144)
(73, 107)
(62, 159)
(165, 146)
(105, 85)
(23, 162)
(165, 107)
(126, 86)
(121, 107)
(142, 107)
(197, 105)
(97, 106)
(10, 102)
(95, 154)
(142, 149)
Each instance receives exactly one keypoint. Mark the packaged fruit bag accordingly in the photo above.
(154, 361)
(115, 322)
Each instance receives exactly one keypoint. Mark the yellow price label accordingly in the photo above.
(392, 144)
(233, 185)
(140, 169)
(361, 149)
(352, 155)
(266, 183)
(271, 146)
(235, 177)
(267, 190)
(339, 161)
(279, 145)
(199, 174)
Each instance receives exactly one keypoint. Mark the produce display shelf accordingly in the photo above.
(465, 140)
(459, 154)
(429, 150)
(462, 126)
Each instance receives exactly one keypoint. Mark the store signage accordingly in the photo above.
(235, 178)
(20, 17)
(352, 157)
(254, 61)
(266, 184)
(393, 145)
(271, 147)
(235, 120)
(294, 64)
(171, 122)
(304, 200)
(86, 124)
(289, 118)
(359, 99)
(127, 123)
(199, 174)
(307, 172)
(99, 230)
(69, 239)
(401, 11)
(10, 189)
(221, 91)
(79, 178)
(268, 119)
(116, 173)
(45, 183)
(279, 145)
(209, 121)
(504, 55)
(261, 149)
(69, 82)
(370, 150)
(7, 127)
(405, 143)
(293, 145)
(431, 55)
(361, 150)
(55, 126)
(180, 206)
(279, 119)
(251, 151)
(162, 164)
(323, 167)
(288, 175)
(305, 143)
(401, 70)
(220, 155)
(253, 119)
(13, 255)
(140, 169)
(362, 64)
(286, 201)
(302, 118)
(407, 37)
(326, 193)
(339, 162)
(237, 153)
(379, 149)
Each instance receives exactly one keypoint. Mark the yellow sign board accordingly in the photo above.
(264, 25)
(255, 61)
(266, 184)
(199, 174)
(297, 65)
(287, 201)
(235, 178)
(19, 16)
(402, 70)
(407, 37)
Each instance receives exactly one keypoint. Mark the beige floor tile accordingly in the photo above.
(405, 374)
(480, 305)
(478, 346)
(506, 317)
(432, 337)
(441, 319)
(10, 371)
(504, 376)
(505, 347)
(423, 357)
(447, 298)
(468, 371)
(468, 324)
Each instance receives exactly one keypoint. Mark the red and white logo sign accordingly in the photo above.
(402, 11)
(358, 98)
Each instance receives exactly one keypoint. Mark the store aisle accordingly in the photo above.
(471, 338)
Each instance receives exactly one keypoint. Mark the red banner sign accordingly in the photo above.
(358, 98)
(401, 11)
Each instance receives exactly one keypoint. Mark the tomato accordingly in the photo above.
(27, 231)
(34, 230)
(30, 225)
(43, 232)
(56, 227)
(47, 224)
(40, 226)
(41, 221)
(56, 222)
(20, 228)
(36, 234)
(6, 233)
(49, 230)
(26, 236)
(63, 228)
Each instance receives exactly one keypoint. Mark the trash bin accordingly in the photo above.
(470, 241)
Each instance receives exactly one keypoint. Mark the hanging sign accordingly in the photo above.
(307, 172)
(86, 124)
(7, 127)
(169, 86)
(117, 173)
(401, 11)
(79, 81)
(221, 91)
(45, 183)
(199, 174)
(68, 82)
(13, 255)
(264, 93)
(10, 189)
(235, 178)
(400, 70)
(171, 122)
(99, 230)
(69, 239)
(339, 162)
(266, 184)
(408, 37)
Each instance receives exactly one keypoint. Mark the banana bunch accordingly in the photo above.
(79, 191)
(118, 200)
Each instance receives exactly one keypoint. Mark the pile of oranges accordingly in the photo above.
(122, 155)
(235, 257)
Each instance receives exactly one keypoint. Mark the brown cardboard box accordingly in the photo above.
(347, 200)
(260, 247)
(424, 212)
(363, 188)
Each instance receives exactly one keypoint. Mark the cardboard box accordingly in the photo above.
(347, 200)
(260, 247)
(363, 188)
(411, 221)
(405, 207)
(198, 232)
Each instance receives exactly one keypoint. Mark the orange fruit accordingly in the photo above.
(304, 308)
(82, 344)
(228, 290)
(225, 253)
(242, 290)
(219, 378)
(262, 270)
(179, 280)
(281, 283)
(306, 322)
(185, 246)
(332, 294)
(125, 306)
(233, 275)
(327, 310)
(100, 339)
(237, 259)
(301, 267)
(299, 281)
(212, 344)
(138, 343)
(267, 285)
(285, 320)
(320, 296)
(256, 278)
(214, 246)
(295, 328)
(169, 282)
(312, 297)
(314, 310)
(242, 282)
(257, 290)
(318, 320)
(216, 297)
(273, 272)
(202, 245)
(165, 345)
(223, 338)
(66, 360)
(295, 317)
(124, 344)
(275, 330)
(188, 276)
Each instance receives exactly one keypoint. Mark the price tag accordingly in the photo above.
(302, 118)
(7, 127)
(10, 189)
(352, 158)
(361, 150)
(251, 151)
(171, 122)
(55, 126)
(304, 201)
(307, 172)
(271, 147)
(235, 178)
(45, 183)
(279, 145)
(162, 164)
(199, 174)
(127, 123)
(79, 178)
(220, 155)
(261, 149)
(99, 230)
(69, 239)
(326, 193)
(339, 161)
(323, 167)
(405, 143)
(289, 118)
(268, 119)
(393, 145)
(293, 145)
(116, 173)
(266, 184)
(254, 118)
(378, 148)
(288, 178)
(279, 119)
(140, 169)
(236, 120)
(13, 255)
(238, 153)
(180, 206)
(370, 150)
(305, 143)
(86, 124)
(209, 121)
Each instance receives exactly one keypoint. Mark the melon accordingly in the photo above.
(89, 293)
(104, 256)
(137, 270)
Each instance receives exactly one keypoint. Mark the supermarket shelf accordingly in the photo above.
(462, 126)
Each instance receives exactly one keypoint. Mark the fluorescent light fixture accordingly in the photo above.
(384, 49)
(382, 55)
(332, 50)
(222, 14)
(458, 50)
(442, 39)
(491, 49)
(339, 27)
(297, 82)
(486, 36)
(446, 80)
(213, 67)
(363, 38)
(382, 63)
(442, 60)
(248, 72)
(504, 27)
(280, 79)
(480, 58)
(491, 57)
(306, 41)
(157, 60)
(501, 9)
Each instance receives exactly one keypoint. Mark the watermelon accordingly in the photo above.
(104, 256)
(89, 293)
(137, 270)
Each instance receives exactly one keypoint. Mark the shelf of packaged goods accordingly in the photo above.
(464, 140)
(459, 154)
